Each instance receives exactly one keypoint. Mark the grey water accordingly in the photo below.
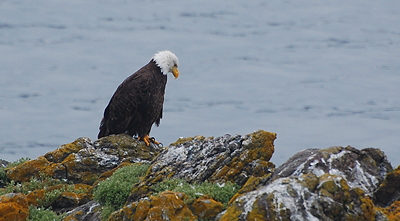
(317, 73)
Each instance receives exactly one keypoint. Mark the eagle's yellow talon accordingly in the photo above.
(148, 139)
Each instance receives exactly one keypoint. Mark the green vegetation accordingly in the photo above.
(34, 184)
(41, 214)
(113, 192)
(222, 193)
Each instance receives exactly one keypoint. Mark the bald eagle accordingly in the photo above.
(137, 103)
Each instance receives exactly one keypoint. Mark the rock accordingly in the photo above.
(328, 184)
(365, 168)
(337, 183)
(13, 206)
(392, 212)
(90, 211)
(167, 206)
(83, 161)
(221, 159)
(389, 191)
(206, 208)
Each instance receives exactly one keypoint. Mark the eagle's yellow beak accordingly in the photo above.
(175, 72)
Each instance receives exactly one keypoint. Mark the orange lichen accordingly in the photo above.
(142, 209)
(13, 206)
(25, 171)
(166, 204)
(206, 208)
(392, 211)
(261, 145)
(63, 151)
(231, 214)
(170, 204)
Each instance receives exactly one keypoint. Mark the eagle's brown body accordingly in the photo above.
(136, 104)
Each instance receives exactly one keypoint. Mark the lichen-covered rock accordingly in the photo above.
(206, 208)
(25, 171)
(389, 191)
(364, 168)
(304, 197)
(69, 196)
(328, 184)
(337, 183)
(221, 159)
(392, 212)
(83, 161)
(166, 206)
(13, 206)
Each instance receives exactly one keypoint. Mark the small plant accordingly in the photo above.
(113, 192)
(41, 214)
(222, 193)
(51, 196)
(34, 184)
(18, 162)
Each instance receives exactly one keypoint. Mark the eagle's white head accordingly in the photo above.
(168, 62)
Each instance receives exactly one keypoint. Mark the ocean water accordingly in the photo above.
(317, 73)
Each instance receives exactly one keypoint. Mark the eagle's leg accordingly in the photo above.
(148, 139)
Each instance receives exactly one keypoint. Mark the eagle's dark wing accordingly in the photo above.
(126, 105)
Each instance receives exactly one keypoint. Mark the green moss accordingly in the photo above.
(113, 192)
(222, 193)
(41, 214)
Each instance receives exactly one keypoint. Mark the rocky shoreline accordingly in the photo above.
(197, 178)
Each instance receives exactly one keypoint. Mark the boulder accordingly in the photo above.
(13, 206)
(83, 161)
(166, 206)
(389, 191)
(364, 168)
(329, 184)
(221, 159)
